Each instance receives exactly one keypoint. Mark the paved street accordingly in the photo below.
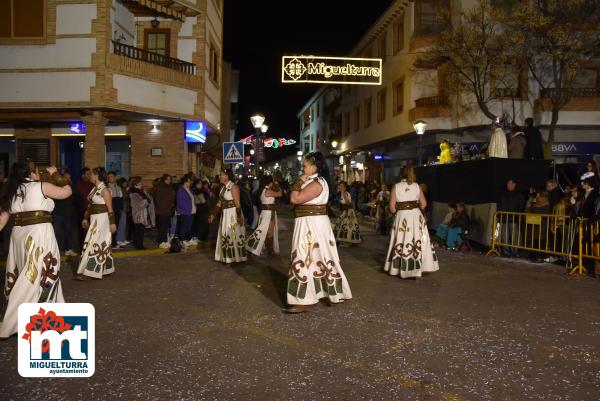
(181, 327)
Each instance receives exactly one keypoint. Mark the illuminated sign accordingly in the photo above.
(77, 128)
(331, 70)
(195, 132)
(270, 142)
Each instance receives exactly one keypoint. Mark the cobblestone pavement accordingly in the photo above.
(182, 327)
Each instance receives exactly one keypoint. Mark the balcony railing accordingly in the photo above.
(136, 53)
(432, 101)
(572, 92)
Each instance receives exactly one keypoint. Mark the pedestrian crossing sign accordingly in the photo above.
(233, 152)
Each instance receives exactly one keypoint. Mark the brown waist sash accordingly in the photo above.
(408, 205)
(98, 208)
(31, 218)
(310, 210)
(269, 207)
(227, 204)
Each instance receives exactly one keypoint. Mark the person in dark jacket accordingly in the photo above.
(186, 208)
(83, 187)
(534, 148)
(514, 202)
(164, 207)
(555, 193)
(117, 203)
(63, 216)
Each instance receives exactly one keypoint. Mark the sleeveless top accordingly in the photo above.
(266, 200)
(226, 191)
(95, 195)
(30, 198)
(407, 192)
(323, 197)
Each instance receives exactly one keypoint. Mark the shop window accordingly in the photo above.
(214, 63)
(22, 19)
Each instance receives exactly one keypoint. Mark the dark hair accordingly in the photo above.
(229, 173)
(111, 173)
(318, 160)
(529, 122)
(164, 177)
(19, 173)
(594, 166)
(121, 181)
(101, 173)
(84, 170)
(196, 182)
(408, 173)
(185, 179)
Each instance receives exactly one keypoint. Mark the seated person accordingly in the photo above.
(459, 224)
(442, 230)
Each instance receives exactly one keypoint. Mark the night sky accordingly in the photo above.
(258, 33)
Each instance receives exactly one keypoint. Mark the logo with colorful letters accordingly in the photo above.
(56, 340)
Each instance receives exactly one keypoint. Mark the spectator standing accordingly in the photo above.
(186, 208)
(592, 167)
(142, 211)
(513, 202)
(164, 204)
(63, 217)
(117, 203)
(534, 147)
(83, 187)
(123, 228)
(554, 192)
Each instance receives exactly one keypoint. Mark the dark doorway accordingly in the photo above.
(71, 156)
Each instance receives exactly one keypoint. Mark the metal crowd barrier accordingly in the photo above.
(573, 239)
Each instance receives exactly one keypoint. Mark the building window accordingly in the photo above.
(382, 45)
(306, 119)
(427, 15)
(587, 78)
(367, 116)
(312, 114)
(398, 96)
(511, 82)
(318, 109)
(356, 119)
(214, 63)
(22, 19)
(381, 100)
(346, 123)
(399, 35)
(157, 41)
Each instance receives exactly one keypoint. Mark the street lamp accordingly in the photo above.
(420, 127)
(334, 144)
(257, 120)
(264, 128)
(252, 152)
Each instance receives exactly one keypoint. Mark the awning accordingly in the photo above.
(161, 8)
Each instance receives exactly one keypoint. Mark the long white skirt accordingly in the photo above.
(256, 241)
(410, 251)
(347, 228)
(231, 240)
(96, 257)
(31, 271)
(315, 270)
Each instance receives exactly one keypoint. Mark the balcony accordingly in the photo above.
(581, 99)
(430, 107)
(142, 64)
(136, 53)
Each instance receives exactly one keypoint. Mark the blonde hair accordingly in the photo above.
(408, 173)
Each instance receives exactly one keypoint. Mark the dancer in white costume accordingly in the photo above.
(266, 233)
(498, 146)
(410, 251)
(99, 219)
(346, 227)
(34, 258)
(315, 270)
(231, 240)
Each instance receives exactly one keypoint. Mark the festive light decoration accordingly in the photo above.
(274, 143)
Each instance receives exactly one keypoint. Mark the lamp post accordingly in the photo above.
(257, 121)
(420, 127)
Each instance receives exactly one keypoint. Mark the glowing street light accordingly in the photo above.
(252, 152)
(420, 127)
(334, 144)
(257, 120)
(264, 128)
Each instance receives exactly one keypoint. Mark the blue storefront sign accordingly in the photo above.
(77, 128)
(195, 132)
(576, 148)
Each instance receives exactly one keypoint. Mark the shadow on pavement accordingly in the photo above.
(266, 275)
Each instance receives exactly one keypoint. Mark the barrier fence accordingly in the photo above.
(573, 239)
